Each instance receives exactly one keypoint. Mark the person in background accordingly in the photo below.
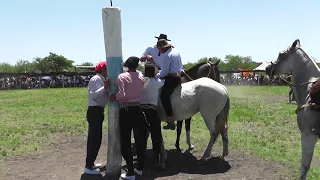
(130, 85)
(97, 100)
(149, 101)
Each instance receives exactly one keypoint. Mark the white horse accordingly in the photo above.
(208, 97)
(303, 69)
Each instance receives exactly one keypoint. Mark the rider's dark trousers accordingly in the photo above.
(95, 117)
(131, 118)
(170, 83)
(153, 123)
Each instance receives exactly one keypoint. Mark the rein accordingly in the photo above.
(187, 75)
(293, 84)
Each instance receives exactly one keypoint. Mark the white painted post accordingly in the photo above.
(111, 17)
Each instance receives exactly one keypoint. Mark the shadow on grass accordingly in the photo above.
(177, 163)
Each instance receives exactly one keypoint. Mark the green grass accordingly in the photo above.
(261, 122)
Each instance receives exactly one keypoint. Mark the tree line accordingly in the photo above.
(58, 63)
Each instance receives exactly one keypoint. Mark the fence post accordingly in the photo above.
(111, 17)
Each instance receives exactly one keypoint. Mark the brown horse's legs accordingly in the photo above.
(187, 126)
(179, 128)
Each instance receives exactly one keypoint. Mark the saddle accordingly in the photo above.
(315, 95)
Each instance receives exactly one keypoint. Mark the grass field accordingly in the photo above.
(261, 122)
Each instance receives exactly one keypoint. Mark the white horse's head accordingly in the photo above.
(284, 62)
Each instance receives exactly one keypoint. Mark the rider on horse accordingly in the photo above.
(171, 66)
(153, 54)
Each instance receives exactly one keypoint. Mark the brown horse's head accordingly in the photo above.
(204, 69)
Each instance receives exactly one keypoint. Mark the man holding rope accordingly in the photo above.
(149, 102)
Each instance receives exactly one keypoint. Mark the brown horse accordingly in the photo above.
(204, 69)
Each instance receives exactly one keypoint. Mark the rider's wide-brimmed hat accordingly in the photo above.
(162, 36)
(162, 43)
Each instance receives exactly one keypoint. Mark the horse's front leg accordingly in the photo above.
(179, 128)
(187, 126)
(308, 142)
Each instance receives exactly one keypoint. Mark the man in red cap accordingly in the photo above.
(97, 101)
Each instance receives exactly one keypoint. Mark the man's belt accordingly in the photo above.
(174, 74)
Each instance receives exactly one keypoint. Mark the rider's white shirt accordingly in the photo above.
(170, 62)
(154, 52)
(150, 92)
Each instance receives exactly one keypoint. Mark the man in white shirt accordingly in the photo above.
(152, 53)
(97, 101)
(171, 66)
(149, 101)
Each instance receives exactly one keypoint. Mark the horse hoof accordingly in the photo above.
(178, 148)
(202, 161)
(191, 147)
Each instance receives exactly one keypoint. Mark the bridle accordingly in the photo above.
(211, 66)
(283, 56)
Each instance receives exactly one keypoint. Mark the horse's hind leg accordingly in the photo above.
(308, 142)
(187, 126)
(207, 153)
(225, 141)
(179, 128)
(222, 123)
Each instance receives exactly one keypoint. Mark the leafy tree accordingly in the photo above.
(42, 65)
(58, 62)
(87, 64)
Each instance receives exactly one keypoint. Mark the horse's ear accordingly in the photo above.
(295, 44)
(217, 63)
(271, 63)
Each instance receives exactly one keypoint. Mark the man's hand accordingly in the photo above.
(112, 98)
(149, 58)
(107, 84)
(146, 58)
(143, 58)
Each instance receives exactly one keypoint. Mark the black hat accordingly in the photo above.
(132, 62)
(162, 36)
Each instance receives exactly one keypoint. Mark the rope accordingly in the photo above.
(145, 119)
(187, 75)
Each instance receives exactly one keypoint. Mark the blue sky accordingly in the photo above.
(201, 28)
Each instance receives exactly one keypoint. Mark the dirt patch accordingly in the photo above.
(64, 160)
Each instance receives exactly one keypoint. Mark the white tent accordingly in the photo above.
(262, 66)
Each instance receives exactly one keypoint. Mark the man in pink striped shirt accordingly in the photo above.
(130, 85)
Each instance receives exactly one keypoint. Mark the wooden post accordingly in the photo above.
(111, 17)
